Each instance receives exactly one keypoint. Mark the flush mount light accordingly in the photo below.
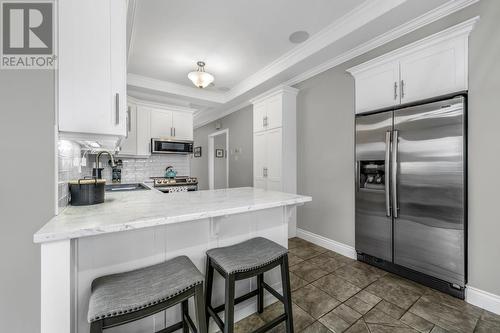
(298, 37)
(199, 77)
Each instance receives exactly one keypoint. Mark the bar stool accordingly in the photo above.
(125, 297)
(242, 261)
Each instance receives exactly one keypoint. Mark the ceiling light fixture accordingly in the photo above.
(200, 78)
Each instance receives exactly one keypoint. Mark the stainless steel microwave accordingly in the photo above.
(168, 146)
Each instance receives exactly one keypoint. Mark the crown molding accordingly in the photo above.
(281, 89)
(150, 104)
(140, 81)
(431, 16)
(354, 19)
(459, 30)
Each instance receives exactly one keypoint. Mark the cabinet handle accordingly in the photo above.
(395, 90)
(129, 120)
(171, 131)
(117, 108)
(174, 131)
(263, 121)
(264, 172)
(402, 89)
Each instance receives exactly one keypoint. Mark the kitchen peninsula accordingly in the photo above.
(136, 229)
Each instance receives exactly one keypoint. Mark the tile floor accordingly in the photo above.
(332, 293)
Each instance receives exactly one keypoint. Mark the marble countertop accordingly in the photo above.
(123, 211)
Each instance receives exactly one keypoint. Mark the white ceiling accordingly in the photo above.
(245, 44)
(235, 38)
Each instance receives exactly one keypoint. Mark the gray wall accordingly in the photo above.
(220, 165)
(27, 192)
(326, 154)
(240, 125)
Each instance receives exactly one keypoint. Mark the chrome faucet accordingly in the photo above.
(98, 156)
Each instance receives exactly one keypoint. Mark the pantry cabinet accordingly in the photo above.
(92, 67)
(434, 66)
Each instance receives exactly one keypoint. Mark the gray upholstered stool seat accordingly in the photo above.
(122, 293)
(248, 255)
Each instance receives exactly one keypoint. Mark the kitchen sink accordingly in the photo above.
(126, 187)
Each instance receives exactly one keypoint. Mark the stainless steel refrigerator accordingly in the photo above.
(411, 192)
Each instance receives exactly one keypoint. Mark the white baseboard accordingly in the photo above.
(330, 244)
(483, 299)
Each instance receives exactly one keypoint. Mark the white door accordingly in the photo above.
(143, 131)
(274, 159)
(274, 112)
(183, 125)
(161, 123)
(129, 143)
(259, 159)
(434, 71)
(259, 114)
(377, 87)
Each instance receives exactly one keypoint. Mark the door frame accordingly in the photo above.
(211, 157)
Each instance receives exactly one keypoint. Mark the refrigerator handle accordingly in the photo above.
(394, 171)
(387, 176)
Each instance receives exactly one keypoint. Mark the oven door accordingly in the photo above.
(162, 146)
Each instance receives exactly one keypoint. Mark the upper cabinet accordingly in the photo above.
(434, 66)
(92, 67)
(150, 120)
(268, 113)
(174, 124)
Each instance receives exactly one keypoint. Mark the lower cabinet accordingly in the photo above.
(267, 159)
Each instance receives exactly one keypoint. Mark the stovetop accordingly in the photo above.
(177, 181)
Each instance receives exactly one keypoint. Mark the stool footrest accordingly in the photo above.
(238, 300)
(273, 292)
(171, 328)
(275, 322)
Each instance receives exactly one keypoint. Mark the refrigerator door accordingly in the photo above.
(373, 231)
(429, 227)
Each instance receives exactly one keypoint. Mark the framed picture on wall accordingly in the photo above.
(219, 153)
(197, 151)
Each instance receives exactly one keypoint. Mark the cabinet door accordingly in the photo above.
(118, 63)
(90, 58)
(274, 159)
(259, 159)
(434, 71)
(84, 75)
(129, 143)
(377, 87)
(183, 125)
(274, 112)
(259, 113)
(143, 131)
(161, 123)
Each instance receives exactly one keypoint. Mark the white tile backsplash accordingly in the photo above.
(69, 155)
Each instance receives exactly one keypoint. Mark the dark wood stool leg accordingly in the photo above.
(96, 326)
(229, 305)
(287, 295)
(184, 314)
(260, 295)
(200, 309)
(209, 279)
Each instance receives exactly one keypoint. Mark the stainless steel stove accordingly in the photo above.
(177, 184)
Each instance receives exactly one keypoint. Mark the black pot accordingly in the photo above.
(87, 191)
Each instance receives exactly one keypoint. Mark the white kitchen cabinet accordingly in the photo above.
(274, 157)
(182, 123)
(171, 124)
(378, 87)
(434, 66)
(161, 123)
(92, 67)
(268, 113)
(138, 138)
(259, 159)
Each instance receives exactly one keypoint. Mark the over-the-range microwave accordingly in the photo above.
(169, 146)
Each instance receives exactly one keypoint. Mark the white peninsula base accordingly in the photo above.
(70, 265)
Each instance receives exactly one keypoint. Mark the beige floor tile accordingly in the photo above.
(334, 323)
(304, 252)
(330, 263)
(308, 271)
(314, 301)
(416, 322)
(337, 287)
(316, 327)
(349, 315)
(358, 327)
(390, 309)
(296, 282)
